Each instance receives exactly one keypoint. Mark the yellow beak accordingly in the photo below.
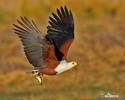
(75, 63)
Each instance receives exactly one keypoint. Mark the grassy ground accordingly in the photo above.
(99, 47)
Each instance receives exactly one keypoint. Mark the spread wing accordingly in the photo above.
(61, 31)
(32, 40)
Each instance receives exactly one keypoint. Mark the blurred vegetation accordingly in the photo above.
(99, 47)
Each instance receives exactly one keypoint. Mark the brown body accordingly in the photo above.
(49, 54)
(52, 62)
(47, 71)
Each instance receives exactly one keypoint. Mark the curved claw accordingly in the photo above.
(37, 76)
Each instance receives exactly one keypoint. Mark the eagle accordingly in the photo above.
(48, 54)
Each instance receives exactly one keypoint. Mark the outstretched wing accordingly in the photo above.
(32, 40)
(61, 31)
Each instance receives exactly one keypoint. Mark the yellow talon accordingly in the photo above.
(37, 76)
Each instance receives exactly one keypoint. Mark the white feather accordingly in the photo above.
(63, 66)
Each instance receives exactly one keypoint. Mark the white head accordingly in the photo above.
(64, 66)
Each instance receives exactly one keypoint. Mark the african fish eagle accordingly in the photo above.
(48, 53)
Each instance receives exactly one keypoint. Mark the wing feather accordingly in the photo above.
(60, 31)
(32, 40)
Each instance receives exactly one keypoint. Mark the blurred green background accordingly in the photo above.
(99, 47)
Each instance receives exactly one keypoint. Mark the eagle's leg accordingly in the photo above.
(38, 77)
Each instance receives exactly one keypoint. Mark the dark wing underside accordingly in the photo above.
(60, 30)
(32, 40)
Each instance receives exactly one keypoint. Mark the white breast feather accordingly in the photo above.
(63, 66)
